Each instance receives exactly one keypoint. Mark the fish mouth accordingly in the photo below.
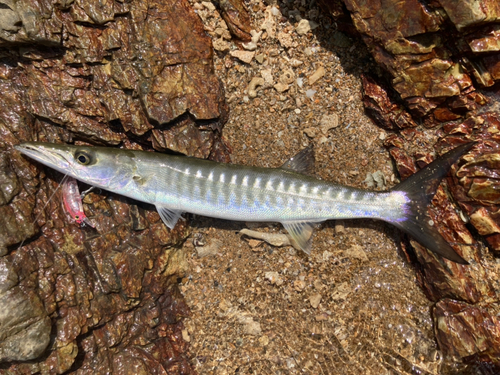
(49, 156)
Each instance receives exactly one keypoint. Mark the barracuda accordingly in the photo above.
(177, 184)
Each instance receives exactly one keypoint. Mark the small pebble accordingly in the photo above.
(252, 86)
(315, 299)
(295, 63)
(208, 5)
(254, 243)
(299, 285)
(185, 335)
(311, 132)
(339, 228)
(281, 87)
(273, 277)
(269, 24)
(317, 75)
(285, 39)
(287, 77)
(221, 45)
(251, 46)
(264, 340)
(245, 56)
(267, 74)
(250, 326)
(209, 250)
(328, 122)
(310, 93)
(304, 26)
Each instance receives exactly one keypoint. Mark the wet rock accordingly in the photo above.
(25, 334)
(464, 330)
(385, 113)
(404, 163)
(438, 70)
(471, 15)
(414, 45)
(237, 18)
(105, 298)
(117, 74)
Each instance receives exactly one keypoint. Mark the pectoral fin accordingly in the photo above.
(168, 215)
(301, 233)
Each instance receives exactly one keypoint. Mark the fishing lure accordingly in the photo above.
(72, 201)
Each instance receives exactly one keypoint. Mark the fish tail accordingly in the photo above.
(420, 189)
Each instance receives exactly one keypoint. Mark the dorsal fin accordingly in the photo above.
(303, 162)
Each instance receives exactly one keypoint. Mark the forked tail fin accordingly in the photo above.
(419, 189)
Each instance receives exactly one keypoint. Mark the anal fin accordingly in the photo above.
(169, 216)
(301, 233)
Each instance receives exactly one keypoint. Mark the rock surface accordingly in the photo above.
(439, 57)
(130, 74)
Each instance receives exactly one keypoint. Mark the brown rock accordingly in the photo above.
(484, 222)
(106, 297)
(236, 15)
(380, 107)
(464, 330)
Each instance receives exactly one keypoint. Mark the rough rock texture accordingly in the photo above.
(429, 63)
(132, 74)
(237, 18)
(439, 56)
(467, 297)
(146, 68)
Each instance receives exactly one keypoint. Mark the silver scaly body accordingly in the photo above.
(251, 194)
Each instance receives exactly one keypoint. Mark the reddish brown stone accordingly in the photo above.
(467, 14)
(404, 163)
(235, 14)
(492, 64)
(135, 74)
(380, 107)
(464, 330)
(494, 242)
(444, 114)
(436, 67)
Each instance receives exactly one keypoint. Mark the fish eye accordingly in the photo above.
(83, 158)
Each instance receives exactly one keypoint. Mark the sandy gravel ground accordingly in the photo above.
(352, 306)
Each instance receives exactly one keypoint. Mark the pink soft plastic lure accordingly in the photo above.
(73, 202)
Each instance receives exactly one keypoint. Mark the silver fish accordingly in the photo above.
(177, 184)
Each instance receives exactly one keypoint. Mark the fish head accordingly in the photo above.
(103, 167)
